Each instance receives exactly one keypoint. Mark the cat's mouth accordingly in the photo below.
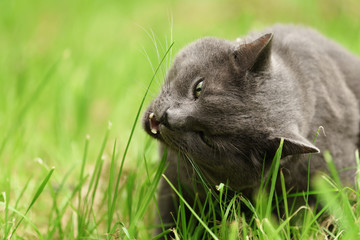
(154, 124)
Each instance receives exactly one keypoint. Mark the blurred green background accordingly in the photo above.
(67, 68)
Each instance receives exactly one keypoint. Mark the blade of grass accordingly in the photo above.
(347, 217)
(87, 209)
(6, 196)
(358, 170)
(64, 209)
(220, 188)
(23, 216)
(163, 234)
(276, 161)
(225, 216)
(245, 226)
(306, 228)
(287, 221)
(357, 184)
(269, 230)
(55, 223)
(36, 196)
(308, 176)
(332, 168)
(81, 181)
(6, 229)
(110, 185)
(182, 214)
(250, 206)
(149, 195)
(190, 223)
(191, 210)
(55, 194)
(286, 208)
(113, 205)
(202, 178)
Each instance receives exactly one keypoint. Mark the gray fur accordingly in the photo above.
(257, 90)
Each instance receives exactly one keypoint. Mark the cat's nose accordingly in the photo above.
(164, 119)
(177, 118)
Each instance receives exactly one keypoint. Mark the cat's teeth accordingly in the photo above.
(151, 115)
(154, 131)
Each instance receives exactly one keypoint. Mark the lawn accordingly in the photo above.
(73, 75)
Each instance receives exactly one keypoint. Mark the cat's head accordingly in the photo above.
(211, 108)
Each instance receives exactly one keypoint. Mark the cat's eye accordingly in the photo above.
(197, 90)
(206, 140)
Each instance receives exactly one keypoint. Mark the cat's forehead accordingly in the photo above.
(204, 49)
(200, 57)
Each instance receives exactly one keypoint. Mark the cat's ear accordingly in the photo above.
(254, 56)
(295, 145)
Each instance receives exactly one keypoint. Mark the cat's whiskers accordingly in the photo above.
(177, 145)
(166, 85)
(224, 147)
(159, 80)
(151, 92)
(190, 171)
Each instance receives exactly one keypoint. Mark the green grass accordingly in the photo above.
(68, 68)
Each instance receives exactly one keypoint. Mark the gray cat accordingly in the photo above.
(226, 105)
